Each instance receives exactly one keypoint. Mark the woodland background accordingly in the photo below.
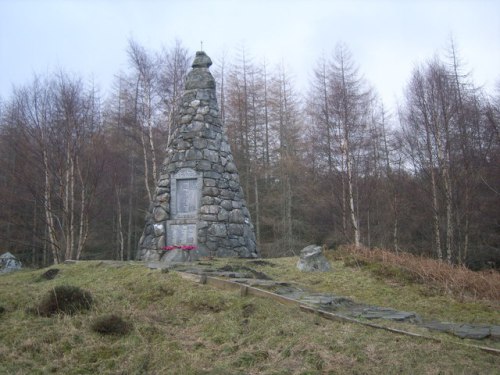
(328, 165)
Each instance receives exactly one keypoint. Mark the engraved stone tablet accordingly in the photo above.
(187, 196)
(181, 234)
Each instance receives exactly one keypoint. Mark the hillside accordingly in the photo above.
(181, 327)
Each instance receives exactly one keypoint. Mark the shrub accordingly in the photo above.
(49, 274)
(456, 280)
(110, 325)
(64, 299)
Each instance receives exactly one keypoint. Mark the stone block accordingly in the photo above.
(218, 168)
(204, 165)
(211, 155)
(195, 103)
(218, 230)
(210, 191)
(159, 214)
(208, 217)
(204, 110)
(193, 155)
(236, 204)
(226, 194)
(185, 119)
(209, 209)
(209, 182)
(230, 167)
(227, 205)
(200, 143)
(207, 200)
(212, 174)
(165, 197)
(236, 216)
(159, 229)
(222, 184)
(202, 224)
(223, 215)
(236, 229)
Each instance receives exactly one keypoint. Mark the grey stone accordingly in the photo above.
(208, 217)
(440, 326)
(471, 331)
(227, 205)
(9, 263)
(223, 215)
(159, 214)
(495, 333)
(204, 165)
(193, 155)
(200, 143)
(213, 210)
(210, 191)
(159, 229)
(195, 103)
(218, 230)
(209, 182)
(207, 200)
(236, 216)
(312, 260)
(201, 60)
(165, 197)
(388, 314)
(236, 229)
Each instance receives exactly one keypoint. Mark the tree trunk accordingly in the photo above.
(350, 195)
(48, 211)
(119, 226)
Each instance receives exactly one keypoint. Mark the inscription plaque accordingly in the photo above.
(181, 234)
(187, 196)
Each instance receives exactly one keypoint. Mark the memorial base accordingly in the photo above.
(179, 256)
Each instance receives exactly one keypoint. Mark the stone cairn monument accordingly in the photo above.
(198, 207)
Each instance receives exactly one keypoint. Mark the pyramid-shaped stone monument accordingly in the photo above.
(198, 207)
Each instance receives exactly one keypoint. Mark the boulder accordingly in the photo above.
(9, 263)
(313, 260)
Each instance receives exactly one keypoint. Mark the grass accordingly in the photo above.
(179, 327)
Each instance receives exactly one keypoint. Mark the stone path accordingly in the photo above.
(332, 303)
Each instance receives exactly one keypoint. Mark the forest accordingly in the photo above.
(329, 165)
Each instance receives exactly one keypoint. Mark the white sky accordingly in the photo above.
(387, 38)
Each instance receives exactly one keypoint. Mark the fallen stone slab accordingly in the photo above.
(373, 312)
(465, 331)
(328, 301)
(291, 292)
(471, 331)
(262, 283)
(440, 326)
(495, 333)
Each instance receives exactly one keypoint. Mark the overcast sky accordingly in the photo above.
(386, 38)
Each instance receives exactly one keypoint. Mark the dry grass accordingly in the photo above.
(458, 281)
(179, 327)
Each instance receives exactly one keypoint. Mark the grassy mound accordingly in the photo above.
(64, 299)
(181, 327)
(111, 324)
